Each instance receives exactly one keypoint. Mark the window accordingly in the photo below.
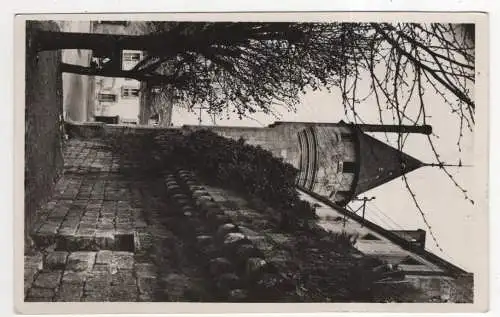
(348, 167)
(107, 97)
(130, 92)
(131, 57)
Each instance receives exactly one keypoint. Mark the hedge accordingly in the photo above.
(244, 168)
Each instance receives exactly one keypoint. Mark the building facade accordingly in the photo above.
(119, 98)
(125, 100)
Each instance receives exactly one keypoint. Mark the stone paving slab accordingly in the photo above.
(86, 234)
(88, 224)
(91, 276)
(105, 235)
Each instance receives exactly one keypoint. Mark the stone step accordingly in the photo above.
(93, 240)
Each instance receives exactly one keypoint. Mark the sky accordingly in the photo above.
(447, 212)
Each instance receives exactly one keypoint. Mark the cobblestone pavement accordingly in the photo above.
(102, 236)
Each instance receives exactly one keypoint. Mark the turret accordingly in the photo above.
(341, 161)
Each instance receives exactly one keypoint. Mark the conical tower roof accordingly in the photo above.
(380, 163)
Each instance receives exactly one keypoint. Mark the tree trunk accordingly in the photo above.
(144, 111)
(88, 71)
(167, 108)
(82, 70)
(158, 43)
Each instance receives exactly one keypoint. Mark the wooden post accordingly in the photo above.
(364, 208)
(364, 200)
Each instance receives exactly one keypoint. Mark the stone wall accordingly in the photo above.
(281, 139)
(445, 289)
(43, 124)
(89, 130)
(319, 153)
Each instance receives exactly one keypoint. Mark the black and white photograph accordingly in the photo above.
(246, 159)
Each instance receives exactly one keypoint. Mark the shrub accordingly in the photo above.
(245, 168)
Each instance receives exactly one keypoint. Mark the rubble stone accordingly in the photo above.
(220, 266)
(238, 295)
(233, 237)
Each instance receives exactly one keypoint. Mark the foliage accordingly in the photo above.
(245, 67)
(408, 70)
(250, 67)
(241, 167)
(326, 268)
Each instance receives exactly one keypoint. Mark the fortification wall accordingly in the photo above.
(319, 154)
(280, 139)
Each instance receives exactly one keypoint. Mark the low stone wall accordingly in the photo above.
(234, 263)
(90, 130)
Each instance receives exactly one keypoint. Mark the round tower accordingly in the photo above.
(341, 161)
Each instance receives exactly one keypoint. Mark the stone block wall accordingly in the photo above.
(445, 289)
(323, 152)
(43, 126)
(281, 139)
(90, 130)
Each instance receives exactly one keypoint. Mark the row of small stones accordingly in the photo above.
(238, 269)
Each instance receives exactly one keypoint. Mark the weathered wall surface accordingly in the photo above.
(43, 137)
(89, 130)
(281, 140)
(319, 152)
(335, 150)
(442, 288)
